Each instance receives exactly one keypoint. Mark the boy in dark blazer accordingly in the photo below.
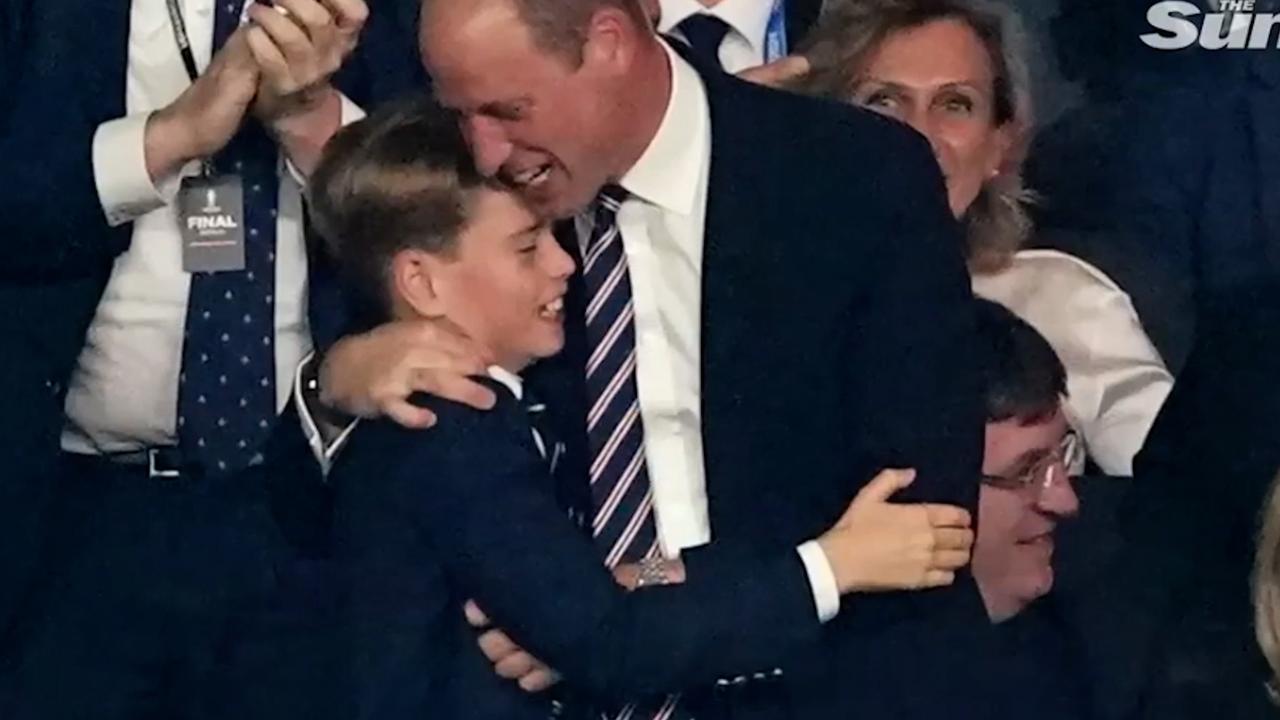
(472, 508)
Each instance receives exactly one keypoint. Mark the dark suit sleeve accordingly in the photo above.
(482, 502)
(51, 220)
(910, 337)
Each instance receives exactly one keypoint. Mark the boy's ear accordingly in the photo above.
(414, 279)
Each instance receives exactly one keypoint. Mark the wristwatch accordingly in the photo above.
(653, 571)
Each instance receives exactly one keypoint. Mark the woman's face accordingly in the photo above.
(938, 79)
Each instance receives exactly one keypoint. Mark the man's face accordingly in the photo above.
(1013, 550)
(531, 117)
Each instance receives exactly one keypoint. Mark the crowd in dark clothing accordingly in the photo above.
(331, 566)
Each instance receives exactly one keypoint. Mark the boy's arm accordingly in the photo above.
(487, 505)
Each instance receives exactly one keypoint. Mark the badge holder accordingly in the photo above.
(211, 212)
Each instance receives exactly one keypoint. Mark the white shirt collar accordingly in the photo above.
(748, 18)
(510, 380)
(669, 170)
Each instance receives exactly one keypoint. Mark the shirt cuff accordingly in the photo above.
(125, 188)
(822, 580)
(349, 113)
(324, 450)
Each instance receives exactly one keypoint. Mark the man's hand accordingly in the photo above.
(878, 546)
(509, 660)
(205, 116)
(299, 49)
(375, 373)
(298, 45)
(776, 73)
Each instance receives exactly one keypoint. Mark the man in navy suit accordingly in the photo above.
(799, 316)
(153, 552)
(473, 509)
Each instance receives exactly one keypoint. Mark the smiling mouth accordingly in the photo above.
(552, 310)
(532, 178)
(1044, 541)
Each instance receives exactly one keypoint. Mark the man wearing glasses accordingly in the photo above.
(1028, 455)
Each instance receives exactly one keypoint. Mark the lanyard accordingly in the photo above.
(180, 36)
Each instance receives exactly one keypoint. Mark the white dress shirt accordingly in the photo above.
(1116, 381)
(123, 393)
(662, 225)
(744, 45)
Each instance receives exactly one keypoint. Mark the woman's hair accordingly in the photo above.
(1266, 584)
(848, 32)
(400, 178)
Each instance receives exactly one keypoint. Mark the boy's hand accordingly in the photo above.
(879, 546)
(509, 660)
(375, 373)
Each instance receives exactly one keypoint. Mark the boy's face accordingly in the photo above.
(505, 283)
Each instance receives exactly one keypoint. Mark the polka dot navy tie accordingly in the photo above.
(226, 397)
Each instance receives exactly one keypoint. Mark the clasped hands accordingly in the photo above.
(277, 67)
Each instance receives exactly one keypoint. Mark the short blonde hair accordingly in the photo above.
(849, 31)
(1266, 584)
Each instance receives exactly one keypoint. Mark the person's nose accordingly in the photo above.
(488, 142)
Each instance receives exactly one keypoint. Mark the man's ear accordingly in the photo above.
(609, 40)
(415, 283)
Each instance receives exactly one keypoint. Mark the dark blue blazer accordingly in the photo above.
(1197, 183)
(1179, 587)
(835, 323)
(62, 73)
(425, 520)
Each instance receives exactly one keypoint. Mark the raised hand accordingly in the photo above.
(207, 114)
(299, 45)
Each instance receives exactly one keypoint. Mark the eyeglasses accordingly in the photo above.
(1053, 467)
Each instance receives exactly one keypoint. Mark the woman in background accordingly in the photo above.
(954, 71)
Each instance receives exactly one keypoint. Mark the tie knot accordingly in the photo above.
(704, 33)
(611, 197)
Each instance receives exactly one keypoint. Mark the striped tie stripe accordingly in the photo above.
(622, 497)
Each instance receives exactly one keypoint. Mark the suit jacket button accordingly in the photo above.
(54, 387)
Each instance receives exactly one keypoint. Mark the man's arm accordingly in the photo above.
(482, 503)
(910, 367)
(76, 182)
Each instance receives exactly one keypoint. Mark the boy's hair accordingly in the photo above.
(400, 178)
(1022, 376)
